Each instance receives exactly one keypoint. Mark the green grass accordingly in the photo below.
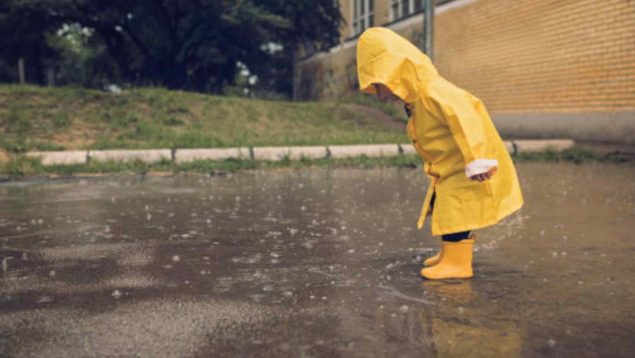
(37, 118)
(395, 111)
(20, 167)
(576, 155)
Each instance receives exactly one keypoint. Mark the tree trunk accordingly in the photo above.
(295, 83)
(21, 76)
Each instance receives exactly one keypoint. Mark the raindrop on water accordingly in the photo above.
(45, 299)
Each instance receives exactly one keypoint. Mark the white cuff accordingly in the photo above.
(480, 166)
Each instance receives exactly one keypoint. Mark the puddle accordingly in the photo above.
(312, 262)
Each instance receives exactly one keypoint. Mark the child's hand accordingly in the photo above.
(484, 176)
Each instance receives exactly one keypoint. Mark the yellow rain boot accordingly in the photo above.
(431, 261)
(455, 262)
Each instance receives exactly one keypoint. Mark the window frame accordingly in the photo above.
(412, 8)
(367, 18)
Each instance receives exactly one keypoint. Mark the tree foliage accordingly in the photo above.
(24, 26)
(181, 44)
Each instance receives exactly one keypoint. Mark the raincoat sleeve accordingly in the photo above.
(458, 109)
(480, 166)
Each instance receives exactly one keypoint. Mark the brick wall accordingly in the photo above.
(541, 55)
(519, 56)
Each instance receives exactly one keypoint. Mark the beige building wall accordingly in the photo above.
(521, 57)
(382, 10)
(562, 56)
(346, 8)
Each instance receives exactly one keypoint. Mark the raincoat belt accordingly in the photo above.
(425, 209)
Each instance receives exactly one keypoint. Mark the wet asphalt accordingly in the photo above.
(312, 263)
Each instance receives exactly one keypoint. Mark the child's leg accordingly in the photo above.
(456, 237)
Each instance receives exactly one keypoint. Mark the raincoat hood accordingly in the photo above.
(385, 57)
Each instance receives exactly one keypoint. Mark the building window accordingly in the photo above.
(402, 8)
(363, 15)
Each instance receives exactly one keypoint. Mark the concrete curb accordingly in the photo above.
(532, 146)
(146, 156)
(270, 153)
(60, 158)
(191, 155)
(294, 153)
(407, 149)
(377, 150)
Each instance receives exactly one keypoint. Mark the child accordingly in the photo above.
(473, 182)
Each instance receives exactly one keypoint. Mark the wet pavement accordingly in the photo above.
(312, 263)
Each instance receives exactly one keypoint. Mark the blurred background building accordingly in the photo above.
(544, 68)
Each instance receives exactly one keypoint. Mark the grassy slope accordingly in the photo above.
(69, 118)
(72, 118)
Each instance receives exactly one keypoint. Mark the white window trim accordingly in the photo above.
(390, 10)
(411, 9)
(365, 16)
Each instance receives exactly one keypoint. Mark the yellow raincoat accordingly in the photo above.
(450, 129)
